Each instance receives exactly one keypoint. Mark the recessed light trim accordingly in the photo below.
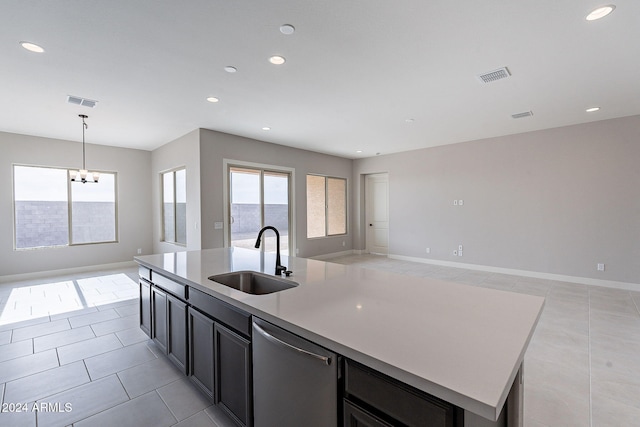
(277, 60)
(600, 12)
(287, 29)
(213, 99)
(266, 128)
(32, 47)
(230, 69)
(358, 151)
(592, 109)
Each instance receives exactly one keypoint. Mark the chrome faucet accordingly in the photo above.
(279, 267)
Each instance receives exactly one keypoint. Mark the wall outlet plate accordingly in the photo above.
(600, 267)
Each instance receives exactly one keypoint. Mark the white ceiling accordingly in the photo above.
(356, 70)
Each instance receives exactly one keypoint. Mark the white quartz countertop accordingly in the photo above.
(461, 343)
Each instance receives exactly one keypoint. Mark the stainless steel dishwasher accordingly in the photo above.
(295, 382)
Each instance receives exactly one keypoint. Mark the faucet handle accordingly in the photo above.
(288, 273)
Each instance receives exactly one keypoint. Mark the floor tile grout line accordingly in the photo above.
(590, 369)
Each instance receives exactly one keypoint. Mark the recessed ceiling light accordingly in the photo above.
(230, 69)
(266, 128)
(358, 151)
(409, 120)
(32, 47)
(287, 29)
(592, 109)
(277, 60)
(212, 99)
(600, 12)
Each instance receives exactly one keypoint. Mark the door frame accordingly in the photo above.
(226, 227)
(365, 213)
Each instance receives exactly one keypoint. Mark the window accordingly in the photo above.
(51, 211)
(174, 206)
(259, 197)
(326, 206)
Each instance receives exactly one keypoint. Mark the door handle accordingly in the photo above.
(370, 225)
(323, 359)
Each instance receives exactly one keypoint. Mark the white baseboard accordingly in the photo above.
(525, 273)
(335, 255)
(66, 271)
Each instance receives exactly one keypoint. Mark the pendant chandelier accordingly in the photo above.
(82, 174)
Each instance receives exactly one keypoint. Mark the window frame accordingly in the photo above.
(69, 201)
(163, 237)
(326, 206)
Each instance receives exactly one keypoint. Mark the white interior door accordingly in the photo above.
(377, 213)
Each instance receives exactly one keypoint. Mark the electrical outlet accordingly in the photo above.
(600, 267)
(455, 253)
(459, 248)
(460, 253)
(460, 202)
(428, 250)
(139, 251)
(455, 203)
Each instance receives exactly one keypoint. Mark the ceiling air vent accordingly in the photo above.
(522, 115)
(81, 101)
(492, 76)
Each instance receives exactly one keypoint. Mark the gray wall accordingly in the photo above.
(134, 202)
(554, 201)
(183, 152)
(216, 146)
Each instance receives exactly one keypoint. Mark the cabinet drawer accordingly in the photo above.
(358, 417)
(405, 404)
(221, 311)
(169, 285)
(144, 272)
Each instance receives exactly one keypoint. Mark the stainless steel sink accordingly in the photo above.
(252, 282)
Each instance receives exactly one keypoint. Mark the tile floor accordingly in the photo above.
(75, 341)
(72, 353)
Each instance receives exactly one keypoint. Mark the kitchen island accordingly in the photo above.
(462, 344)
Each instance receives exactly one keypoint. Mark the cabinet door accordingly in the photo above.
(233, 374)
(357, 417)
(145, 307)
(201, 351)
(177, 332)
(159, 318)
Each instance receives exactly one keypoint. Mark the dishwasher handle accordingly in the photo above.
(324, 359)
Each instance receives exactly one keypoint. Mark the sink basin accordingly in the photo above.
(252, 282)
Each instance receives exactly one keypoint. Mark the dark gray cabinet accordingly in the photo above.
(233, 374)
(372, 397)
(355, 416)
(145, 306)
(201, 350)
(177, 349)
(159, 318)
(220, 346)
(163, 316)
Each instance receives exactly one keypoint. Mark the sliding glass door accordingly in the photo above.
(257, 198)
